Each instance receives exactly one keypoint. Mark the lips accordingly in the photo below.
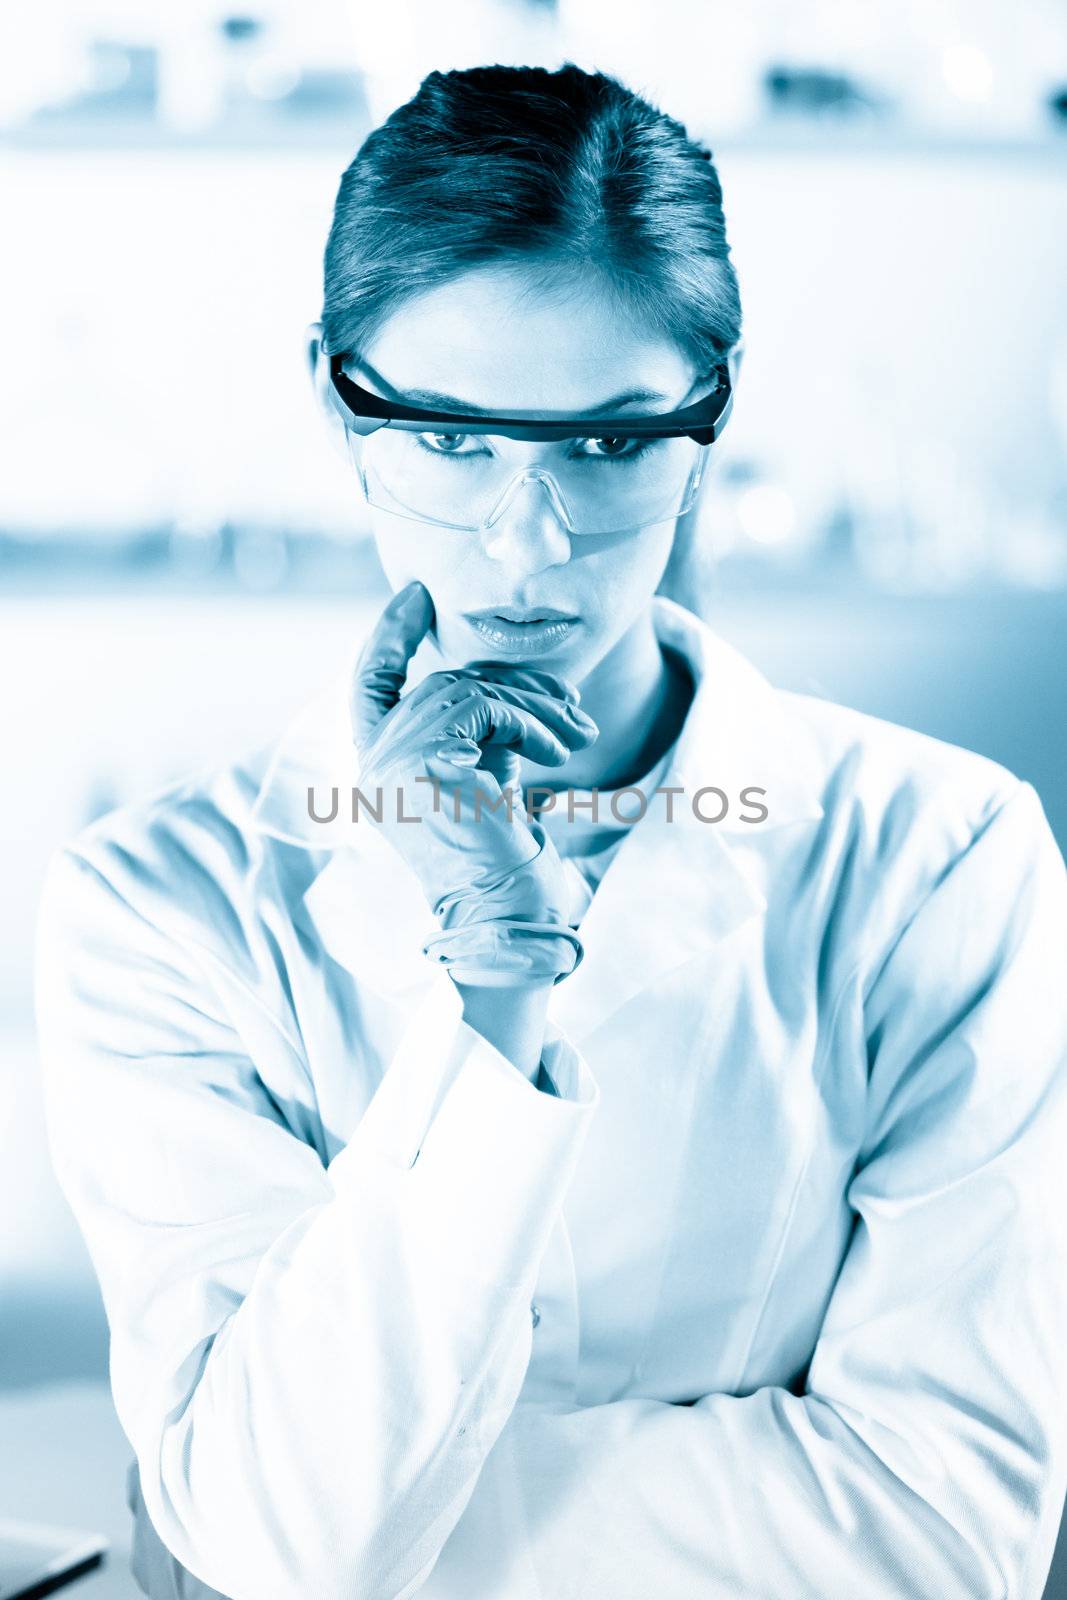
(525, 638)
(519, 614)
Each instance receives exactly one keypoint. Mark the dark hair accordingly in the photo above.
(503, 163)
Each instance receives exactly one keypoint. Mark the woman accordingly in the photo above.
(506, 1200)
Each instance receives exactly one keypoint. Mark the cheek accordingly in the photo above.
(407, 550)
(630, 569)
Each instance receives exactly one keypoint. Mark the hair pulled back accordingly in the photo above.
(500, 164)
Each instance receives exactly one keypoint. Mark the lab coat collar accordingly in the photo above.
(369, 910)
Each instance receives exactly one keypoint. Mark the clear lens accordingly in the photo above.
(465, 481)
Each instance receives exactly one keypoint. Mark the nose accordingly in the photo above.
(527, 534)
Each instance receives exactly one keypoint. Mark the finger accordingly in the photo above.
(575, 726)
(382, 665)
(523, 677)
(439, 689)
(491, 721)
(422, 713)
(518, 677)
(464, 716)
(551, 697)
(493, 765)
(406, 726)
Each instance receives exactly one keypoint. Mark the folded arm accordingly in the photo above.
(927, 1457)
(311, 1363)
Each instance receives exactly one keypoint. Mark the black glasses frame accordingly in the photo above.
(363, 413)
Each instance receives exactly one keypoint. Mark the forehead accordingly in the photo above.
(526, 338)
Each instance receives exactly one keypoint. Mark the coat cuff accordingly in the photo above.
(482, 1154)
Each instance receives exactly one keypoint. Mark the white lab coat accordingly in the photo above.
(768, 1303)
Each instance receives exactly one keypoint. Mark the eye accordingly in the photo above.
(609, 449)
(448, 444)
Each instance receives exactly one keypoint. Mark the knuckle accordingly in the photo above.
(372, 662)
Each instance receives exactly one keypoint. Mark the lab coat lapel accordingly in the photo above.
(672, 891)
(372, 917)
(679, 886)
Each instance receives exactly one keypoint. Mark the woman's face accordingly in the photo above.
(503, 340)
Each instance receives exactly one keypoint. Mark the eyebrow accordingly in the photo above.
(435, 400)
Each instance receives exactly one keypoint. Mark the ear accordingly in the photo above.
(733, 363)
(319, 369)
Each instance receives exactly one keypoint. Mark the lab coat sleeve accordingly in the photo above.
(311, 1362)
(926, 1458)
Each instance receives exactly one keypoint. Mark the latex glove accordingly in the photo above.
(452, 746)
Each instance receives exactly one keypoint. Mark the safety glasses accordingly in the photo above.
(601, 474)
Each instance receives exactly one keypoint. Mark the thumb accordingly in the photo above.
(383, 662)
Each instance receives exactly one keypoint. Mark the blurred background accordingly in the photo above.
(183, 558)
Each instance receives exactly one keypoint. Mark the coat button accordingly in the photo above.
(535, 1315)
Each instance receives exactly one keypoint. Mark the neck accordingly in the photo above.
(638, 696)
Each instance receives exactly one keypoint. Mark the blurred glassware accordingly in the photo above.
(197, 546)
(266, 81)
(753, 517)
(813, 92)
(243, 44)
(119, 84)
(322, 93)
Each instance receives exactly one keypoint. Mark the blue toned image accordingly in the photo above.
(533, 552)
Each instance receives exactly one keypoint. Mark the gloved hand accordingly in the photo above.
(452, 747)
